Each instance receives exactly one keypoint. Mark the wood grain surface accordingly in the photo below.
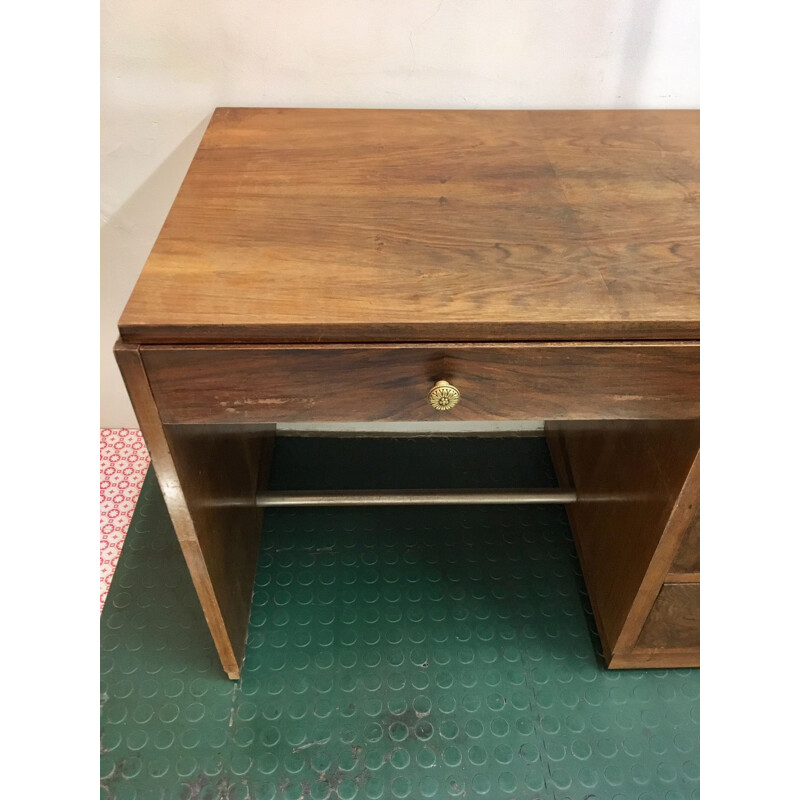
(675, 618)
(363, 383)
(320, 225)
(687, 559)
(638, 486)
(658, 658)
(195, 466)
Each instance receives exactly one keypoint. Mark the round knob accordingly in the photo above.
(443, 396)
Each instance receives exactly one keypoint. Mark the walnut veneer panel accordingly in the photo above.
(320, 225)
(674, 621)
(341, 382)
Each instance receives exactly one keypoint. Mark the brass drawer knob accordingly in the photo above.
(443, 396)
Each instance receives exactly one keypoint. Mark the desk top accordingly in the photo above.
(320, 225)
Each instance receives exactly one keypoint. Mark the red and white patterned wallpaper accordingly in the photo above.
(123, 464)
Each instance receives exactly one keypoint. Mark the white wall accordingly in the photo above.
(167, 63)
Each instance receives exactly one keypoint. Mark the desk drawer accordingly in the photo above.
(373, 382)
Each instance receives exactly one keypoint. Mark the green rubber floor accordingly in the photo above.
(392, 652)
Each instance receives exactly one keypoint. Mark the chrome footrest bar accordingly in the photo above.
(416, 497)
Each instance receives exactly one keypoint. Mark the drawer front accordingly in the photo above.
(369, 383)
(674, 621)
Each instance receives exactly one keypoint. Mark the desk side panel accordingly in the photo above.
(638, 486)
(200, 472)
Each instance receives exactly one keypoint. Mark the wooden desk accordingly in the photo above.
(328, 265)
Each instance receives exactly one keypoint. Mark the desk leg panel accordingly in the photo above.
(208, 476)
(638, 485)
